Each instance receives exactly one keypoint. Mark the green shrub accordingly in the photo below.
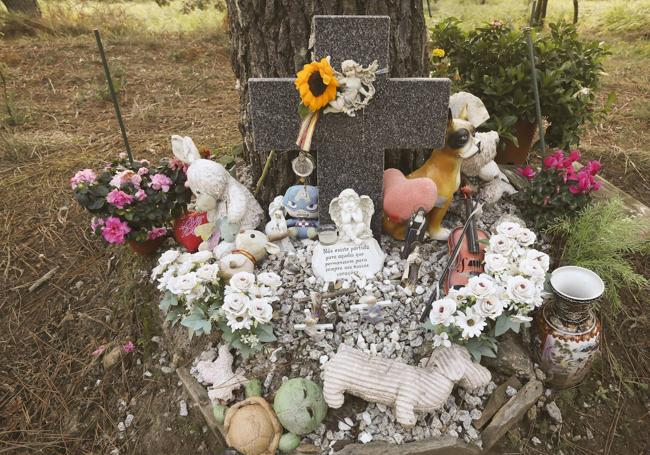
(492, 63)
(603, 238)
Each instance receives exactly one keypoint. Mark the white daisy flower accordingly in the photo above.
(239, 322)
(470, 322)
(441, 340)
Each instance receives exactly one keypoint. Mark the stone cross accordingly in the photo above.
(405, 113)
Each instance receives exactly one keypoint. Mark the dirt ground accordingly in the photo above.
(55, 397)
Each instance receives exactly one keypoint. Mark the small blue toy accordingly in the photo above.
(301, 204)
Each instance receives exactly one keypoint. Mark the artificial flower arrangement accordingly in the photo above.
(132, 201)
(496, 301)
(195, 296)
(558, 189)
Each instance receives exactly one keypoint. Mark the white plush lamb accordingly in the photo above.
(392, 383)
(482, 164)
(217, 192)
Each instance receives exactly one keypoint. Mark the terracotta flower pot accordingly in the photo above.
(148, 247)
(567, 331)
(512, 154)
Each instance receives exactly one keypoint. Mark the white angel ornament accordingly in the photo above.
(356, 87)
(352, 215)
(277, 226)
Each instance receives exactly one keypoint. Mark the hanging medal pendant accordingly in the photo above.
(303, 165)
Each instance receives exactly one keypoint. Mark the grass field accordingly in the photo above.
(174, 76)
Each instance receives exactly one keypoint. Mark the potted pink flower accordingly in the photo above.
(558, 189)
(132, 203)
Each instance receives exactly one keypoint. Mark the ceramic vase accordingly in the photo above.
(147, 247)
(567, 331)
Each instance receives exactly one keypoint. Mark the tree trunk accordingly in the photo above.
(270, 39)
(27, 7)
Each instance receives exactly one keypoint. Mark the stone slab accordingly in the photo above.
(497, 399)
(512, 358)
(341, 260)
(511, 413)
(445, 445)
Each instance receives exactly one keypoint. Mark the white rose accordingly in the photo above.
(185, 268)
(158, 270)
(261, 310)
(521, 289)
(163, 281)
(185, 257)
(235, 304)
(168, 257)
(480, 286)
(201, 256)
(501, 244)
(496, 263)
(208, 272)
(533, 269)
(270, 279)
(540, 257)
(489, 307)
(183, 284)
(509, 229)
(526, 237)
(242, 281)
(442, 312)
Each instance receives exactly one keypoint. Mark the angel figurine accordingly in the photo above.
(352, 215)
(356, 87)
(277, 226)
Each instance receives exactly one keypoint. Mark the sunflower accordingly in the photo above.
(317, 84)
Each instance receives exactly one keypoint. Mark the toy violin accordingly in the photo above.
(469, 261)
(459, 264)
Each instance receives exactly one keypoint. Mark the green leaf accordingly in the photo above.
(167, 301)
(264, 333)
(303, 111)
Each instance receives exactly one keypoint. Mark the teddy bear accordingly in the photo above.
(228, 204)
(481, 164)
(251, 247)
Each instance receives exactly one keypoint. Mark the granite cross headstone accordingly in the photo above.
(405, 113)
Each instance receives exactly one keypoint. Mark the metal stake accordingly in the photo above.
(111, 89)
(533, 74)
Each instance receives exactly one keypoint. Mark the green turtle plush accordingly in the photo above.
(300, 406)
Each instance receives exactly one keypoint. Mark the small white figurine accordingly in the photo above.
(352, 215)
(412, 270)
(481, 164)
(219, 374)
(311, 327)
(250, 247)
(392, 383)
(355, 87)
(217, 192)
(277, 227)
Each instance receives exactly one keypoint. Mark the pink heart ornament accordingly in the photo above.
(403, 197)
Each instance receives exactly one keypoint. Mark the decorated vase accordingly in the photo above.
(146, 247)
(567, 331)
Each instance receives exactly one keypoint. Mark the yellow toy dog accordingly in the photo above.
(443, 167)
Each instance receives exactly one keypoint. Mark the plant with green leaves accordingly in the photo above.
(604, 238)
(557, 190)
(492, 63)
(132, 201)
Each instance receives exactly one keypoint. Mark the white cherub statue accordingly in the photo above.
(356, 88)
(277, 226)
(352, 215)
(217, 192)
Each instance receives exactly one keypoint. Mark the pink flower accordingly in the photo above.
(161, 182)
(175, 163)
(95, 223)
(128, 347)
(585, 183)
(145, 162)
(140, 195)
(97, 352)
(119, 198)
(115, 230)
(84, 176)
(527, 172)
(143, 171)
(154, 233)
(593, 167)
(122, 178)
(574, 155)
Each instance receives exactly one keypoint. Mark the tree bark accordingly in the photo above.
(27, 7)
(270, 39)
